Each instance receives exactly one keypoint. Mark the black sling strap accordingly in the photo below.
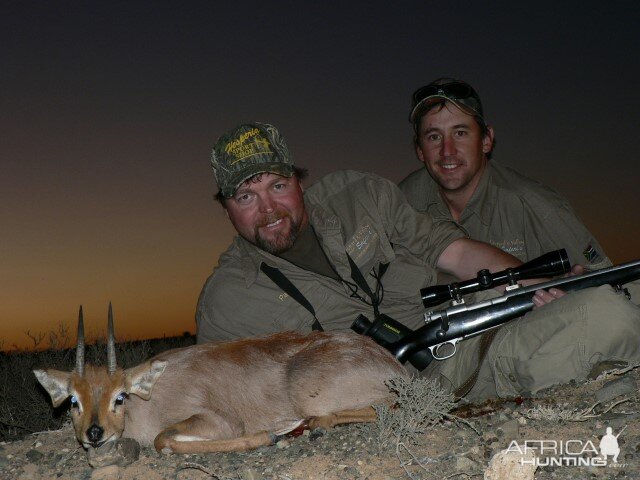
(283, 282)
(289, 288)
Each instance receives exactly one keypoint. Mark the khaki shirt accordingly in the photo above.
(362, 214)
(514, 213)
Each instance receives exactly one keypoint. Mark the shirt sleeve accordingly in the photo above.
(224, 312)
(559, 227)
(418, 233)
(229, 309)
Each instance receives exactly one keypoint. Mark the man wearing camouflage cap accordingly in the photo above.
(317, 258)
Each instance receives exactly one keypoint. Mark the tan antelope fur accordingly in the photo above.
(225, 396)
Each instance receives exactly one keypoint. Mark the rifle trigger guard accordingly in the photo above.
(434, 349)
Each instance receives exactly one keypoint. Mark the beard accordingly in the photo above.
(280, 241)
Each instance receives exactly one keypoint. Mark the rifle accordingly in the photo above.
(445, 328)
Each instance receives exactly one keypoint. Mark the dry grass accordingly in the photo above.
(563, 413)
(421, 405)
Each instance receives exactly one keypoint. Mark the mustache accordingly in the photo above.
(270, 218)
(451, 159)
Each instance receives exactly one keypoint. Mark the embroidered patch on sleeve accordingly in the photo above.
(591, 254)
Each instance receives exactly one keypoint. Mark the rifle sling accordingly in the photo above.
(283, 282)
(485, 343)
(289, 288)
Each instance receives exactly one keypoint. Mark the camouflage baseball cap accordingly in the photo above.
(455, 91)
(247, 150)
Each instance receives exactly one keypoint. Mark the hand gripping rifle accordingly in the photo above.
(445, 328)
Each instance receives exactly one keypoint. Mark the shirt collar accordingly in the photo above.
(434, 204)
(481, 202)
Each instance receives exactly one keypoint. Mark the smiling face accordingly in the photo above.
(268, 211)
(453, 148)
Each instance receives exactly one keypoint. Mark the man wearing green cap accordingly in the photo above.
(489, 201)
(492, 202)
(349, 245)
(495, 204)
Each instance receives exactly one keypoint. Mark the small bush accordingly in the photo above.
(421, 404)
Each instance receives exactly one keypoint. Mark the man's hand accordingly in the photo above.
(542, 297)
(576, 270)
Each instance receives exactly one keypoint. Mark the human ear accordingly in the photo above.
(419, 152)
(487, 140)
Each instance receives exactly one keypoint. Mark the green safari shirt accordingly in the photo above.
(514, 213)
(359, 213)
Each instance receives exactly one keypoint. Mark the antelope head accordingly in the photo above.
(98, 394)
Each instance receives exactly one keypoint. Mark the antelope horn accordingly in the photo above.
(80, 345)
(111, 347)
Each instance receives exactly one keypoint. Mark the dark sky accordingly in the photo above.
(108, 112)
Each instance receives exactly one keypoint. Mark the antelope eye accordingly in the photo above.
(120, 398)
(74, 402)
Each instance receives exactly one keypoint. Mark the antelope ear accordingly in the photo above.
(141, 379)
(56, 383)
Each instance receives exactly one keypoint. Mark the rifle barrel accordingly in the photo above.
(464, 321)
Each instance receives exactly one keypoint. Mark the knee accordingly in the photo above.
(612, 310)
(613, 326)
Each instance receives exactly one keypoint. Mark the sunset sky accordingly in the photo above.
(109, 110)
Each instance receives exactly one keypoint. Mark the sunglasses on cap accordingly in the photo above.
(460, 93)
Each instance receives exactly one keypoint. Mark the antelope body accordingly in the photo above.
(227, 396)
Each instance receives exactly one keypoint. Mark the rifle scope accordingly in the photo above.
(547, 265)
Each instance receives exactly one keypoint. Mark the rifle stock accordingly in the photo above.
(456, 323)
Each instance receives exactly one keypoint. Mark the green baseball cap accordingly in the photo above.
(247, 150)
(455, 91)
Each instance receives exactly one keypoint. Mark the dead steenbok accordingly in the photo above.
(225, 396)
